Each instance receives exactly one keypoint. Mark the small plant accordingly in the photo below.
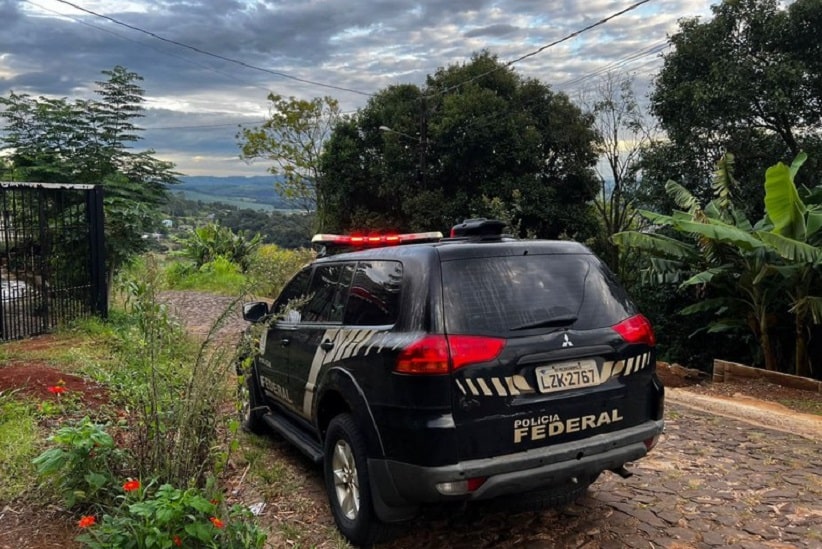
(84, 463)
(168, 517)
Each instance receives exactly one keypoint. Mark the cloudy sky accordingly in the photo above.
(347, 49)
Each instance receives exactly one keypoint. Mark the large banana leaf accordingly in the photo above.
(657, 218)
(682, 197)
(782, 202)
(791, 249)
(722, 232)
(656, 244)
(706, 276)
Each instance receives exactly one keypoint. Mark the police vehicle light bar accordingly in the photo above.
(374, 240)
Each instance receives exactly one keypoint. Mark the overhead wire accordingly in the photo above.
(542, 48)
(341, 88)
(215, 55)
(164, 52)
(656, 48)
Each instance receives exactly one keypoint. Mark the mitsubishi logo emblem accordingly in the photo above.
(567, 342)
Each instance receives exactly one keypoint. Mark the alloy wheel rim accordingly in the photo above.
(245, 402)
(346, 483)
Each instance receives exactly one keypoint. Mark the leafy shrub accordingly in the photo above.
(166, 517)
(272, 267)
(205, 244)
(84, 463)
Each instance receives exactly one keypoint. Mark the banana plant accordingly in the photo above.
(723, 253)
(796, 236)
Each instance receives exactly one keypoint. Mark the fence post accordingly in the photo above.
(97, 241)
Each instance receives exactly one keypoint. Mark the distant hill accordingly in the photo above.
(254, 192)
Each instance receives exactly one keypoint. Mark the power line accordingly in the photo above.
(123, 37)
(214, 55)
(616, 64)
(545, 47)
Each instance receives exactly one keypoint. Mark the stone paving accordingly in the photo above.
(711, 482)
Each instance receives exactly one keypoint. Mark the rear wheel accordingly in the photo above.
(250, 404)
(347, 483)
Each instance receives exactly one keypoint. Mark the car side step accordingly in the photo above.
(295, 436)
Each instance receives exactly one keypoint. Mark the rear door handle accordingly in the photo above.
(327, 345)
(285, 341)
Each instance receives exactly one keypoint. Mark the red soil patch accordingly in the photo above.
(34, 379)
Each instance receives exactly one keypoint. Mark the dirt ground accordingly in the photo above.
(28, 524)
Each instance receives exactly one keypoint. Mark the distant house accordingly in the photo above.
(168, 223)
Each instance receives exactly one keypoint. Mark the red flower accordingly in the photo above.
(215, 501)
(87, 521)
(217, 522)
(56, 389)
(131, 485)
(177, 541)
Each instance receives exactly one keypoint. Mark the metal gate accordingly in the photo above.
(52, 265)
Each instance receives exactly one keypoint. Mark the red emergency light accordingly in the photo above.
(376, 240)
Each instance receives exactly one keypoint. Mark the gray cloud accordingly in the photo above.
(347, 43)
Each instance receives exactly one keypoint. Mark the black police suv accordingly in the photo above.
(421, 369)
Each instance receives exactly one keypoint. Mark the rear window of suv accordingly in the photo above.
(505, 295)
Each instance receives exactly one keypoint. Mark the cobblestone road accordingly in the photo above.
(711, 482)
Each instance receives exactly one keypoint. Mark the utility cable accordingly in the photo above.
(215, 55)
(164, 52)
(541, 49)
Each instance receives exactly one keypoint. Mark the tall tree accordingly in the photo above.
(293, 138)
(423, 158)
(89, 141)
(740, 82)
(623, 131)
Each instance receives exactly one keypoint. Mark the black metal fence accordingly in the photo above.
(52, 265)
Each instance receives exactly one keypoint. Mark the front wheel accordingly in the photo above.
(345, 465)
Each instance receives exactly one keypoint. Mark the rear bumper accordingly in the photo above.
(401, 485)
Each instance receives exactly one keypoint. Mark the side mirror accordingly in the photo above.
(255, 311)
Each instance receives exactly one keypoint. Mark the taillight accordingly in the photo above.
(429, 355)
(636, 329)
(467, 350)
(438, 354)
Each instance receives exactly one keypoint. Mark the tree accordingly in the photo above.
(740, 82)
(293, 138)
(797, 237)
(742, 269)
(475, 133)
(88, 141)
(622, 130)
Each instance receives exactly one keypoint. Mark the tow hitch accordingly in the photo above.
(623, 472)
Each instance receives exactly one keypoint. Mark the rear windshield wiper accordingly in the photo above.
(555, 322)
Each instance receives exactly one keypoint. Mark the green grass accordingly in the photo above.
(19, 438)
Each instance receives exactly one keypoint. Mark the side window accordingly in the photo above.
(375, 294)
(296, 289)
(327, 291)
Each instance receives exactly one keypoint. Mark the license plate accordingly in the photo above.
(567, 375)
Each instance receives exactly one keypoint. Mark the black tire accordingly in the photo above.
(250, 403)
(345, 465)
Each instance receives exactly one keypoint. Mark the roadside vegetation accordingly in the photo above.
(712, 217)
(147, 465)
